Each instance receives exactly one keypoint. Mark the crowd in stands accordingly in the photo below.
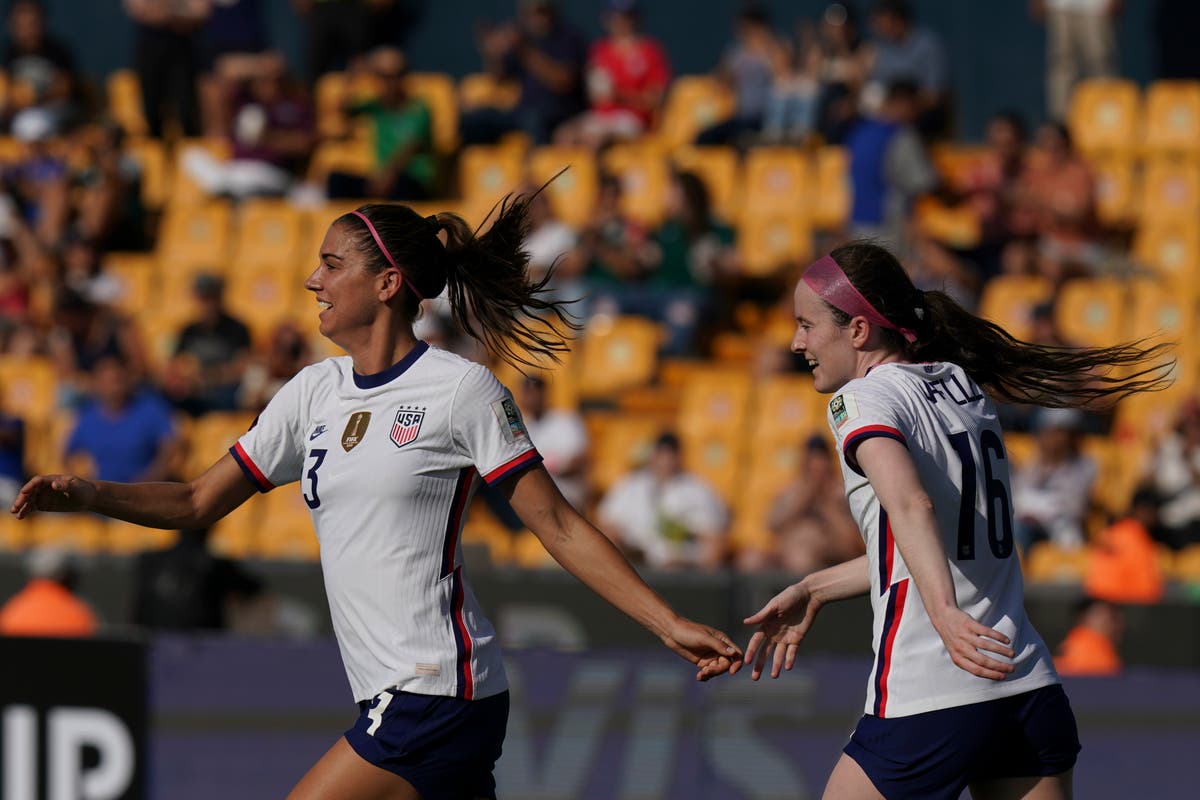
(156, 228)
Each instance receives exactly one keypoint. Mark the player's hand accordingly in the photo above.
(965, 639)
(782, 624)
(708, 648)
(53, 493)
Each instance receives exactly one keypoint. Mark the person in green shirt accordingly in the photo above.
(401, 132)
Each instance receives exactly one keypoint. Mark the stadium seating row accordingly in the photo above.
(1112, 116)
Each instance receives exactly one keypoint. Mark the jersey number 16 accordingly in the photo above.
(999, 507)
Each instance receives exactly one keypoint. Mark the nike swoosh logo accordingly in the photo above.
(316, 433)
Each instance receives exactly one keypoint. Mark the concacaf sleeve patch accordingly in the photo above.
(509, 418)
(843, 408)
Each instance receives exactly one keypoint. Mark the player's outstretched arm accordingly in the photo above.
(587, 554)
(893, 476)
(784, 621)
(176, 506)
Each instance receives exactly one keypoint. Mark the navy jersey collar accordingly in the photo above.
(378, 379)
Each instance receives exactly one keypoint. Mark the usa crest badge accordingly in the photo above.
(356, 426)
(407, 425)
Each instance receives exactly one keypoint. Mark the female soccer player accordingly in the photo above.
(389, 444)
(963, 692)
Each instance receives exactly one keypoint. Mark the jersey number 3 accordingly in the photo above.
(999, 507)
(310, 492)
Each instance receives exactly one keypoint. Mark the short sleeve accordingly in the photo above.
(271, 453)
(487, 426)
(862, 412)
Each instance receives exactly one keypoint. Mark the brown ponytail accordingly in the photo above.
(1010, 369)
(492, 296)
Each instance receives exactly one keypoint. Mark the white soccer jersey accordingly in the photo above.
(388, 464)
(949, 427)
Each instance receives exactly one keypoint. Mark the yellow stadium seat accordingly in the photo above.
(195, 239)
(333, 93)
(768, 243)
(1119, 468)
(1170, 192)
(349, 156)
(84, 533)
(151, 157)
(28, 388)
(620, 444)
(124, 91)
(957, 162)
(786, 409)
(772, 465)
(1160, 311)
(617, 353)
(1187, 564)
(438, 92)
(211, 437)
(717, 167)
(185, 191)
(236, 535)
(1008, 301)
(1049, 563)
(262, 299)
(482, 528)
(573, 193)
(776, 181)
(1091, 312)
(831, 208)
(126, 538)
(135, 281)
(1173, 118)
(270, 233)
(716, 457)
(528, 552)
(562, 380)
(1171, 250)
(956, 226)
(485, 176)
(14, 534)
(1115, 190)
(482, 90)
(1104, 116)
(715, 401)
(645, 178)
(285, 527)
(694, 102)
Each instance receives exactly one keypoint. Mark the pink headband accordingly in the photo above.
(386, 254)
(826, 278)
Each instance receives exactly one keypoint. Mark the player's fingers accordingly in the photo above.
(766, 612)
(777, 661)
(985, 665)
(790, 661)
(761, 660)
(724, 643)
(983, 630)
(756, 641)
(984, 643)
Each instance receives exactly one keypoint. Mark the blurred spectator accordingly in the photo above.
(48, 605)
(843, 63)
(38, 183)
(12, 457)
(627, 78)
(1090, 648)
(340, 31)
(126, 434)
(40, 67)
(560, 437)
(905, 51)
(542, 52)
(1051, 491)
(211, 355)
(551, 245)
(682, 262)
(85, 332)
(234, 28)
(186, 588)
(402, 133)
(810, 518)
(287, 352)
(1055, 207)
(1174, 472)
(271, 128)
(889, 167)
(1123, 564)
(748, 69)
(665, 517)
(106, 182)
(1176, 29)
(793, 99)
(1081, 43)
(166, 60)
(611, 243)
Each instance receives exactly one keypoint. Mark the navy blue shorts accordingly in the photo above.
(445, 747)
(934, 756)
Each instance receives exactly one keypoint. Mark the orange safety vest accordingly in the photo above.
(1087, 652)
(46, 608)
(1124, 567)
